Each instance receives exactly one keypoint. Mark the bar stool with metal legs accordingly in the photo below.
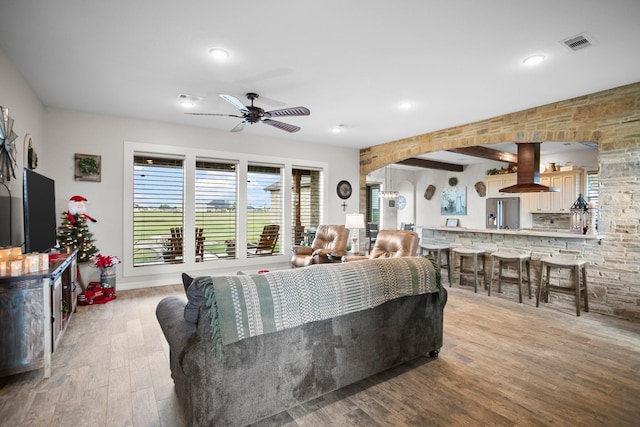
(438, 249)
(511, 256)
(474, 254)
(577, 268)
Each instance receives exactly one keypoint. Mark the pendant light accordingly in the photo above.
(387, 193)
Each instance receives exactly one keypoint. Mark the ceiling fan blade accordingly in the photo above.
(293, 111)
(235, 102)
(284, 126)
(239, 126)
(214, 114)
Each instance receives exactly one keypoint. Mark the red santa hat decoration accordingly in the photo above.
(77, 209)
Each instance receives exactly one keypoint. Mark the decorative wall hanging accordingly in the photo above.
(32, 157)
(87, 167)
(344, 189)
(454, 201)
(481, 189)
(453, 181)
(428, 193)
(7, 146)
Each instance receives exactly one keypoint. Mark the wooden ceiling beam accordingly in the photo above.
(487, 153)
(431, 164)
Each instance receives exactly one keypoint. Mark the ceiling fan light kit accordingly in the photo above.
(252, 114)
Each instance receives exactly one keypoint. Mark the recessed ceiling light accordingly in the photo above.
(533, 59)
(405, 105)
(338, 129)
(218, 53)
(186, 104)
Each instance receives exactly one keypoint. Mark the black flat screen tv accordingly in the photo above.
(39, 206)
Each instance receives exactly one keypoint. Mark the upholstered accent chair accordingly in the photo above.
(329, 245)
(390, 244)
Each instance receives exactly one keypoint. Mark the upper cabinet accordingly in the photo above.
(570, 185)
(496, 182)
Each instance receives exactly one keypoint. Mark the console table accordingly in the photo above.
(35, 309)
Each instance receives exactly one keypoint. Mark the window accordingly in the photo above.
(592, 189)
(176, 192)
(216, 192)
(264, 202)
(306, 207)
(158, 194)
(373, 203)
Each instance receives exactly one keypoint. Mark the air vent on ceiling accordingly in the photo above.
(183, 97)
(577, 42)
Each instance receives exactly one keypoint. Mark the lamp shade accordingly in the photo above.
(354, 221)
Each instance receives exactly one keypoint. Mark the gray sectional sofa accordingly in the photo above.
(246, 347)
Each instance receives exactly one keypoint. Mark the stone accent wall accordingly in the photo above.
(612, 119)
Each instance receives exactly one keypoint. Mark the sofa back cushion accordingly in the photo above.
(333, 237)
(394, 244)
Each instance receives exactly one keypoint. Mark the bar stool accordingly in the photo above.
(437, 250)
(474, 254)
(576, 266)
(522, 258)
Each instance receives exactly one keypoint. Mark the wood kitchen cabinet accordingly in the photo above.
(496, 182)
(570, 185)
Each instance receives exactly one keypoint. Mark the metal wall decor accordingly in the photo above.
(7, 146)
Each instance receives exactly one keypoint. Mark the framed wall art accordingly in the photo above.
(453, 201)
(87, 167)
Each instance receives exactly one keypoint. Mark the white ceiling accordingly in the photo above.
(352, 63)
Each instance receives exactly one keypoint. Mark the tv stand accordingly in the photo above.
(35, 310)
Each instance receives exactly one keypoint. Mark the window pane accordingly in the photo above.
(307, 193)
(158, 193)
(264, 208)
(216, 208)
(592, 190)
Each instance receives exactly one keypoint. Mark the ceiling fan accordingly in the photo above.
(252, 114)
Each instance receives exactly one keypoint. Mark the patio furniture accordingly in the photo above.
(267, 242)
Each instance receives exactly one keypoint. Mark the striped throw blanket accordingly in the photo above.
(248, 305)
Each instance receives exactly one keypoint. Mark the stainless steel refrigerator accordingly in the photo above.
(503, 213)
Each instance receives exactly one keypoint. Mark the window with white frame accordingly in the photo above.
(216, 192)
(264, 209)
(222, 199)
(306, 206)
(158, 201)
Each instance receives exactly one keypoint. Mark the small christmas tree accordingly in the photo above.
(74, 232)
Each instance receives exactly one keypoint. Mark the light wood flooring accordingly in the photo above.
(502, 364)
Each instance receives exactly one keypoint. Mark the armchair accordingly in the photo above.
(330, 239)
(390, 244)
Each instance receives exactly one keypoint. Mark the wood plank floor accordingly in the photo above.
(502, 364)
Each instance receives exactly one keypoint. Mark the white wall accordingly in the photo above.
(27, 111)
(58, 134)
(72, 132)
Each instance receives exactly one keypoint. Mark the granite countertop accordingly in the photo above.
(546, 232)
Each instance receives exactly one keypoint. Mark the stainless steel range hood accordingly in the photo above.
(528, 171)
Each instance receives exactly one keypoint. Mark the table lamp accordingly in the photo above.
(355, 222)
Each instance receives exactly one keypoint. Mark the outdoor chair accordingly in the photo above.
(267, 242)
(174, 245)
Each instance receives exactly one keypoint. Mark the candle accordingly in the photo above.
(44, 261)
(15, 268)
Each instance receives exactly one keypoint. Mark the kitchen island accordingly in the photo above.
(541, 243)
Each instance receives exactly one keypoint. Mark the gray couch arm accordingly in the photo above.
(177, 331)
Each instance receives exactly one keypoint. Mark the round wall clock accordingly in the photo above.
(453, 181)
(344, 189)
(402, 202)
